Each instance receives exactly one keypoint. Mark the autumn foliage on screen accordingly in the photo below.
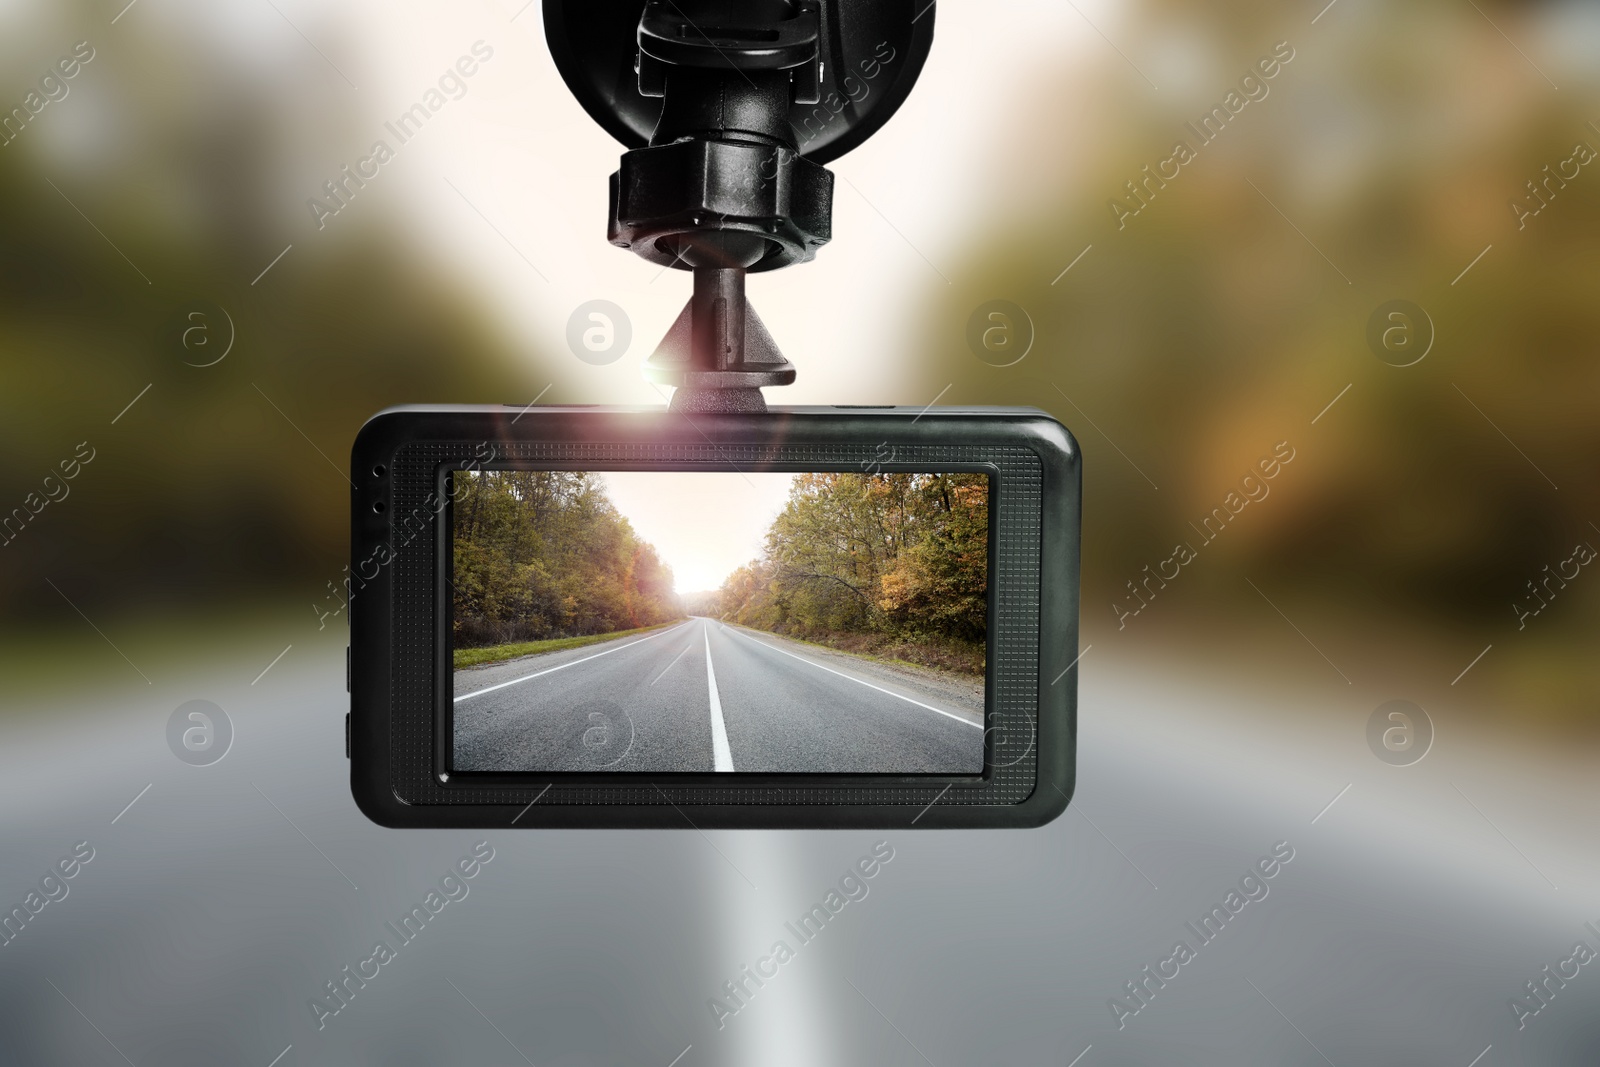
(542, 554)
(895, 563)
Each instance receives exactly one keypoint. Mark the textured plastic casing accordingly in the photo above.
(400, 671)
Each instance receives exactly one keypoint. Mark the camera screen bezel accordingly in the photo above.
(397, 738)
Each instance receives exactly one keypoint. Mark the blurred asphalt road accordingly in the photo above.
(221, 902)
(703, 697)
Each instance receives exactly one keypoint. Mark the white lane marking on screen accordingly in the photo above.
(721, 758)
(858, 681)
(552, 670)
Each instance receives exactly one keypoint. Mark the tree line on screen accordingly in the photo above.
(543, 554)
(890, 563)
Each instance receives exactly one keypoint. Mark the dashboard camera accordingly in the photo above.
(718, 614)
(480, 530)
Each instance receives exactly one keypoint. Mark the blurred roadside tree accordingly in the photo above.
(1233, 309)
(152, 191)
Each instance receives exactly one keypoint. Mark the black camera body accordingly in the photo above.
(520, 657)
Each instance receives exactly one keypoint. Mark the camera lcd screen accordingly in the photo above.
(692, 622)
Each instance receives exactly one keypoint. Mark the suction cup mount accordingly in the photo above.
(729, 109)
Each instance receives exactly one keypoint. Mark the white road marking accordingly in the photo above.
(573, 663)
(721, 758)
(858, 681)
